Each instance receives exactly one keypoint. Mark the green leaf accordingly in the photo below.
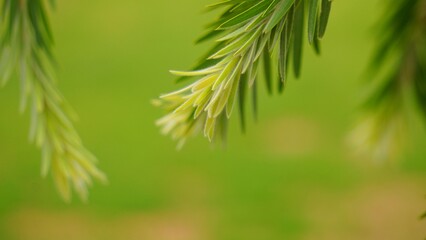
(298, 37)
(312, 20)
(249, 13)
(282, 8)
(242, 90)
(325, 14)
(254, 100)
(285, 40)
(316, 43)
(267, 69)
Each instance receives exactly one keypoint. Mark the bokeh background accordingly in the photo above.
(291, 176)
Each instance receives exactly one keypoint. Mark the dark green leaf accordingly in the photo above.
(316, 43)
(242, 90)
(325, 13)
(298, 37)
(312, 20)
(267, 69)
(254, 100)
(285, 40)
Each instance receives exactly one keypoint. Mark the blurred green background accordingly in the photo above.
(291, 176)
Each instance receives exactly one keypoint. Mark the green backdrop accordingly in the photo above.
(291, 176)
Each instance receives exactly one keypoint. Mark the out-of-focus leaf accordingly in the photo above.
(26, 47)
(267, 68)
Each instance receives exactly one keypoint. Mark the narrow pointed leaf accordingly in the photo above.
(298, 37)
(312, 19)
(267, 69)
(325, 13)
(282, 8)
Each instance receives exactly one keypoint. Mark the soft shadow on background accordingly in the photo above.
(291, 176)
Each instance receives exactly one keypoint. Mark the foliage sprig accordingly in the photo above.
(402, 45)
(248, 34)
(26, 46)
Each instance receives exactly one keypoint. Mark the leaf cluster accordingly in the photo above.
(248, 35)
(402, 45)
(26, 48)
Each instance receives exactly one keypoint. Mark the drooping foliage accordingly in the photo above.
(249, 35)
(402, 46)
(26, 52)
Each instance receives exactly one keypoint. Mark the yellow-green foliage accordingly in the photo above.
(247, 33)
(26, 43)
